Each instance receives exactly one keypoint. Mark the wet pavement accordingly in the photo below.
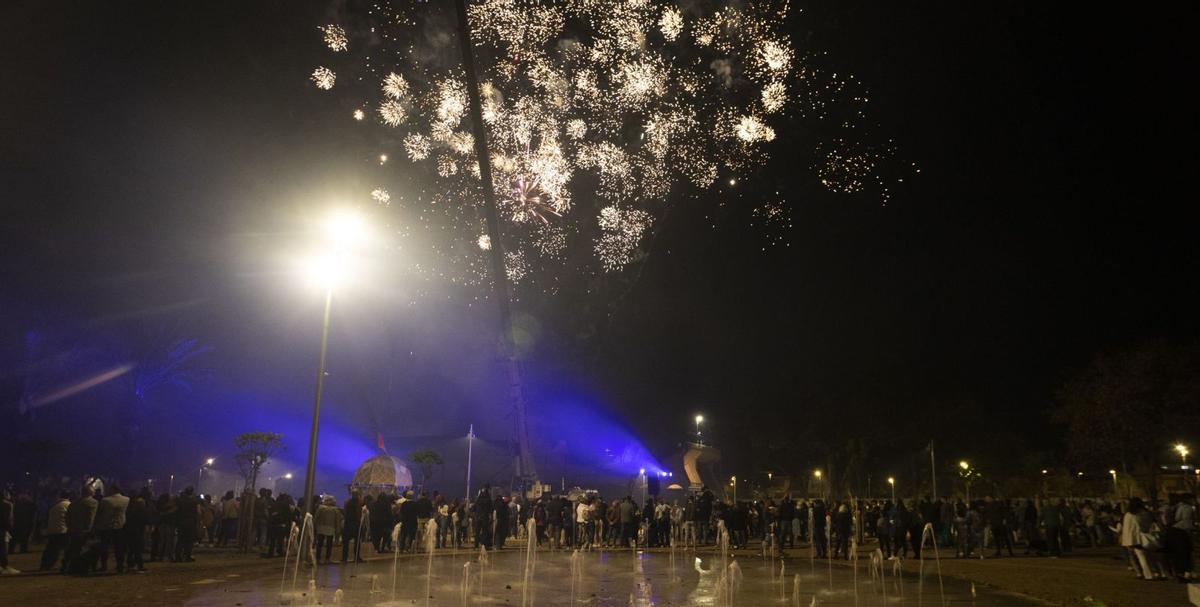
(597, 579)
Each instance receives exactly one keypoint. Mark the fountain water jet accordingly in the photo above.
(430, 543)
(854, 566)
(483, 562)
(395, 556)
(927, 531)
(576, 574)
(782, 582)
(812, 543)
(465, 593)
(829, 547)
(306, 530)
(877, 572)
(530, 563)
(286, 552)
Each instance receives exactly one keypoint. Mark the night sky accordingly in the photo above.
(153, 153)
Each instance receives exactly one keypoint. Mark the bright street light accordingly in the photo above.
(200, 477)
(966, 474)
(817, 473)
(892, 483)
(342, 231)
(1183, 451)
(699, 418)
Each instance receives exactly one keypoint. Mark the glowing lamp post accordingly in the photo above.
(342, 232)
(817, 477)
(1183, 453)
(699, 419)
(733, 481)
(200, 477)
(966, 474)
(892, 484)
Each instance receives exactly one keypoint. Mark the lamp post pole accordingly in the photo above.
(200, 476)
(470, 445)
(310, 471)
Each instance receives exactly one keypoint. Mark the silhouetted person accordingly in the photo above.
(56, 531)
(187, 519)
(484, 511)
(501, 515)
(137, 516)
(352, 527)
(24, 512)
(110, 525)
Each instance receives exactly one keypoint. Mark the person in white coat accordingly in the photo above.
(56, 531)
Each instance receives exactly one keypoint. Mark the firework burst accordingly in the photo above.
(630, 106)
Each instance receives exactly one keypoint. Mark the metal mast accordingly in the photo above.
(525, 470)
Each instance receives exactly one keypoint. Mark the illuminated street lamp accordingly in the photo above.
(342, 231)
(200, 477)
(1183, 452)
(699, 418)
(733, 481)
(892, 483)
(966, 474)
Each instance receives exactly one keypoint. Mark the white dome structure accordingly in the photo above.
(382, 474)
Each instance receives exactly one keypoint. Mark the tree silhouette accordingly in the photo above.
(1126, 407)
(425, 460)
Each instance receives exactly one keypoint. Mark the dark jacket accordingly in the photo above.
(80, 514)
(424, 508)
(137, 515)
(353, 512)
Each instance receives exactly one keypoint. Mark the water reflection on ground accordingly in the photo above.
(597, 579)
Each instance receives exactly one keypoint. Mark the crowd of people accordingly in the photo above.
(82, 531)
